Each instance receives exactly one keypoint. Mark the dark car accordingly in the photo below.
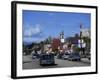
(60, 55)
(47, 59)
(74, 56)
(65, 56)
(35, 56)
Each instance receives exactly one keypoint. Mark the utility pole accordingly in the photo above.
(81, 41)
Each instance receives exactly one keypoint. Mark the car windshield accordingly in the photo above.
(47, 57)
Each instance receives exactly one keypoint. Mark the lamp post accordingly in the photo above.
(82, 44)
(81, 41)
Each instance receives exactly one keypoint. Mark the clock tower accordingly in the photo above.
(62, 37)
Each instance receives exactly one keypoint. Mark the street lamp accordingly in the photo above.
(81, 41)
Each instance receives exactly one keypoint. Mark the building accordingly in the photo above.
(46, 47)
(62, 37)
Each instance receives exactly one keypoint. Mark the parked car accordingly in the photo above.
(65, 56)
(59, 56)
(35, 56)
(47, 59)
(74, 56)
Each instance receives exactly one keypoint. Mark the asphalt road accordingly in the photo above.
(28, 63)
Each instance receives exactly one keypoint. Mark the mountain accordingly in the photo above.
(27, 43)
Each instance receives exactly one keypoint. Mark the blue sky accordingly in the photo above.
(38, 25)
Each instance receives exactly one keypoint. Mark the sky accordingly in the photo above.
(39, 25)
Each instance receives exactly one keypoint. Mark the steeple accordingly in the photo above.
(62, 36)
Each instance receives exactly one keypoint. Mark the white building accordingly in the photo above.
(62, 37)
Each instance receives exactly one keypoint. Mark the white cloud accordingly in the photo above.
(32, 31)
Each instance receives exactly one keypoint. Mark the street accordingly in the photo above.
(29, 63)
